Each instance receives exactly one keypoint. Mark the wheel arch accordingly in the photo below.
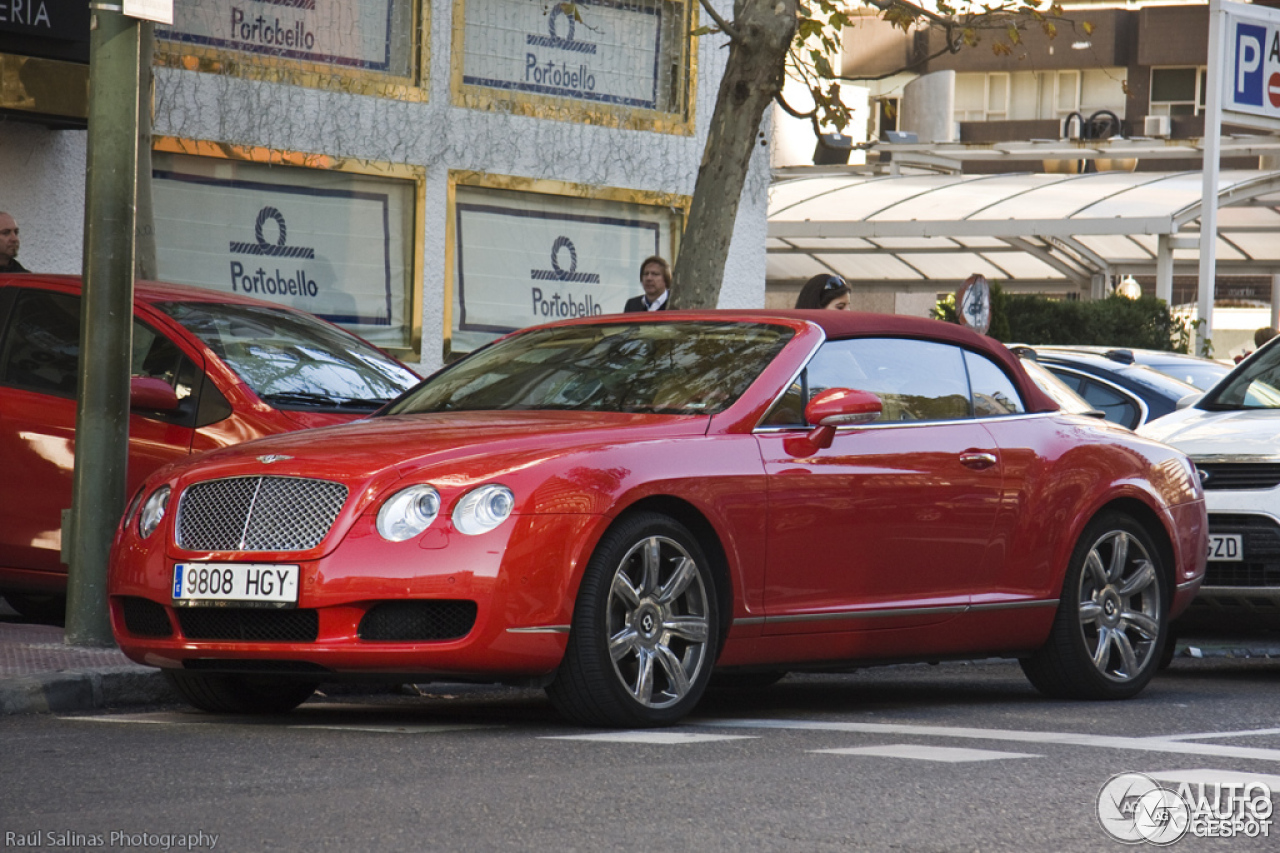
(1151, 522)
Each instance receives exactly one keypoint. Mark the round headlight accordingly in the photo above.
(408, 512)
(153, 511)
(483, 509)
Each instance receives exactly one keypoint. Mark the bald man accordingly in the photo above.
(9, 244)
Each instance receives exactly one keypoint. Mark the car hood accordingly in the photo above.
(470, 442)
(1201, 434)
(310, 420)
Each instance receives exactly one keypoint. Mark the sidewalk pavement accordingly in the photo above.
(39, 673)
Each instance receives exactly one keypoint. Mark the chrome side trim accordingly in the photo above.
(540, 629)
(907, 424)
(895, 611)
(1011, 605)
(1236, 458)
(1192, 585)
(868, 614)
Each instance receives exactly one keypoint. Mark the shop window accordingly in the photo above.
(525, 257)
(369, 46)
(621, 64)
(1177, 91)
(337, 243)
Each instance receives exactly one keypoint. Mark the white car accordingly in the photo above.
(1232, 434)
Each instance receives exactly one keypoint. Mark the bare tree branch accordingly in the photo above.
(725, 26)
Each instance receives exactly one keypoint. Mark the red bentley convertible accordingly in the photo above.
(614, 508)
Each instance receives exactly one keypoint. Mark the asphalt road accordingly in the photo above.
(955, 757)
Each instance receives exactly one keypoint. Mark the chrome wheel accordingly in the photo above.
(1120, 606)
(657, 622)
(645, 627)
(1112, 618)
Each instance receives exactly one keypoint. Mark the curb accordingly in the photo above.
(83, 690)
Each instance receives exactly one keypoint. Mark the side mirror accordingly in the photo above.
(147, 392)
(1188, 401)
(835, 407)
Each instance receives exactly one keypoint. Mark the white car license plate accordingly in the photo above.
(1226, 547)
(207, 583)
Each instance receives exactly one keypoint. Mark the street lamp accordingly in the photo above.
(1129, 288)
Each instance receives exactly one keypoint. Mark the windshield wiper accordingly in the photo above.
(306, 398)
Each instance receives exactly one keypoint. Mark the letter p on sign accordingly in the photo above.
(1249, 41)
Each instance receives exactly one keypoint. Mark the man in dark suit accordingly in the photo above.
(655, 278)
(9, 244)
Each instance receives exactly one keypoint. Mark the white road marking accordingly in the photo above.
(950, 754)
(163, 718)
(1141, 744)
(397, 730)
(662, 737)
(1218, 735)
(1216, 777)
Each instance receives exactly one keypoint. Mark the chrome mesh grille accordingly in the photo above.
(258, 514)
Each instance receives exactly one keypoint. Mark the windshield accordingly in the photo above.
(675, 368)
(292, 360)
(1202, 376)
(1255, 385)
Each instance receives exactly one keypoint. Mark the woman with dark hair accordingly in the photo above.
(824, 291)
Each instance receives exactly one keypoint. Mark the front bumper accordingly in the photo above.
(1244, 593)
(492, 607)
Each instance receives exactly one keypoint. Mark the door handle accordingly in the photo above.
(977, 459)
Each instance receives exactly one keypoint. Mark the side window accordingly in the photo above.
(994, 393)
(41, 345)
(915, 380)
(1116, 407)
(157, 357)
(789, 410)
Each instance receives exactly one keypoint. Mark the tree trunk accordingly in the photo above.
(763, 30)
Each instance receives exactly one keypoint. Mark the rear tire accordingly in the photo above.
(645, 628)
(1112, 620)
(240, 694)
(49, 609)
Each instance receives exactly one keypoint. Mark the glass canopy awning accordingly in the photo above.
(1028, 231)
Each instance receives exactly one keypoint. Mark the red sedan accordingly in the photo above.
(614, 509)
(209, 369)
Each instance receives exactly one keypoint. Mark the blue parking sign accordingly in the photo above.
(1250, 48)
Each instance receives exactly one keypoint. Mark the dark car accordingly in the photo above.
(209, 369)
(1129, 394)
(1203, 373)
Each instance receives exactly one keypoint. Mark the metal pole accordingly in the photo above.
(1275, 301)
(1209, 189)
(106, 320)
(1164, 269)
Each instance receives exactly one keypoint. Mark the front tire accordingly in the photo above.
(1112, 619)
(645, 628)
(220, 693)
